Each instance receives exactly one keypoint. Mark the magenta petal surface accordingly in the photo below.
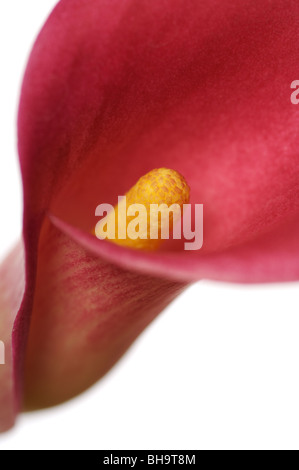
(202, 87)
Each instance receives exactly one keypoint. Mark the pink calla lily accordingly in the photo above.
(112, 90)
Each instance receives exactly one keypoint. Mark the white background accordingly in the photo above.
(217, 370)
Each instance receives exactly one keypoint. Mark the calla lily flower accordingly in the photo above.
(112, 90)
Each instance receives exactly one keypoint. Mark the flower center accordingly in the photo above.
(148, 212)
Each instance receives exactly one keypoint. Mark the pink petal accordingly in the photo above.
(114, 89)
(202, 87)
(270, 258)
(86, 314)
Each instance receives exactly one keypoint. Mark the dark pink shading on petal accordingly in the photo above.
(270, 258)
(86, 314)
